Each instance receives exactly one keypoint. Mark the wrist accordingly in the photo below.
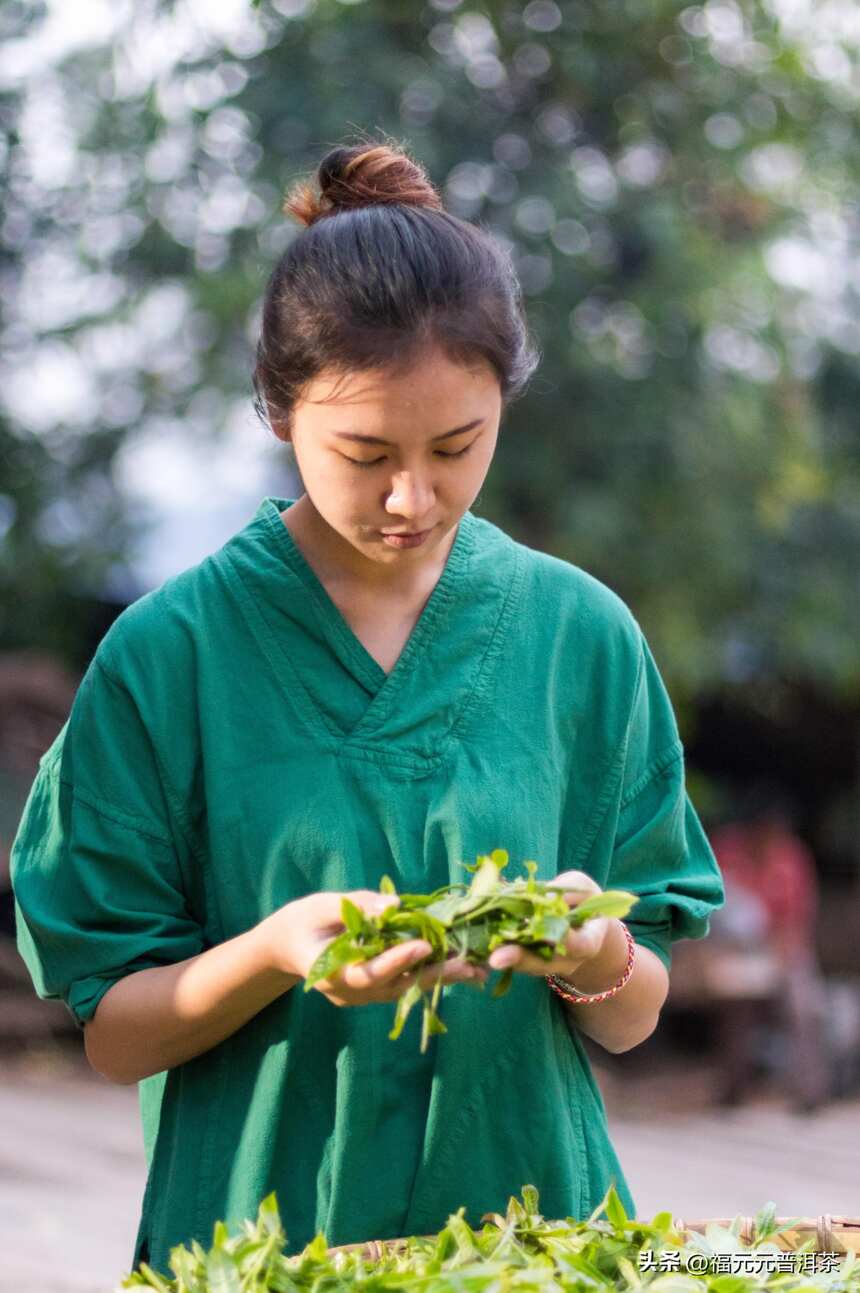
(273, 952)
(603, 970)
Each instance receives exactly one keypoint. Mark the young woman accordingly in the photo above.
(368, 679)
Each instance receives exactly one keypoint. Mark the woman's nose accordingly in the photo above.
(410, 495)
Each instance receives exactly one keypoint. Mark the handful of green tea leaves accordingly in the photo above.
(468, 920)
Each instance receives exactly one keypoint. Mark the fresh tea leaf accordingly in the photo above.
(352, 916)
(615, 1209)
(405, 1003)
(221, 1272)
(153, 1279)
(335, 955)
(431, 1023)
(268, 1217)
(614, 903)
(530, 1198)
(485, 881)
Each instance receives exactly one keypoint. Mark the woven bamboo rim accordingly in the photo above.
(832, 1234)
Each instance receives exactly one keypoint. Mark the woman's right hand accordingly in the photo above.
(297, 933)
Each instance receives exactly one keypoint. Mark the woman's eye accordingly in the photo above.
(358, 462)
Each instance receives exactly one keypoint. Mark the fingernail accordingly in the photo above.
(504, 957)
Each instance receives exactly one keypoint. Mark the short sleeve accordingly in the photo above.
(654, 843)
(98, 867)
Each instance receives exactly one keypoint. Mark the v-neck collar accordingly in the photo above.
(361, 661)
(272, 580)
(411, 719)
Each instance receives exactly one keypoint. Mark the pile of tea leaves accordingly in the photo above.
(468, 920)
(520, 1252)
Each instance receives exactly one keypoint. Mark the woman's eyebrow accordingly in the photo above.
(375, 439)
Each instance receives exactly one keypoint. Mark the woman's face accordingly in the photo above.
(406, 452)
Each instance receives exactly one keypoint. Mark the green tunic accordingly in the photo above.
(233, 747)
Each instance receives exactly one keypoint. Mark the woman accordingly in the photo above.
(368, 679)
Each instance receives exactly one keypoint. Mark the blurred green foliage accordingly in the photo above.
(679, 185)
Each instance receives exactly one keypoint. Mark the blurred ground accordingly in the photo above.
(71, 1175)
(72, 1166)
(682, 1153)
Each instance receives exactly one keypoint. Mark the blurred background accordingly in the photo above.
(680, 189)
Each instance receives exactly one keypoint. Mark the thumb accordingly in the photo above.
(587, 941)
(576, 886)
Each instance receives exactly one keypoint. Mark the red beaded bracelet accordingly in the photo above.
(570, 993)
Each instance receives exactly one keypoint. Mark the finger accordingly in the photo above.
(587, 941)
(573, 897)
(581, 946)
(426, 978)
(506, 956)
(425, 975)
(523, 962)
(576, 886)
(573, 880)
(456, 969)
(394, 961)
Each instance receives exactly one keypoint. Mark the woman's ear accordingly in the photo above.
(280, 426)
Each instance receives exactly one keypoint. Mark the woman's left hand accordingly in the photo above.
(582, 944)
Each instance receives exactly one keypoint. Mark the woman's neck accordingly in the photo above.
(337, 564)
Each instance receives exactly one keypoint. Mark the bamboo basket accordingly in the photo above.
(832, 1234)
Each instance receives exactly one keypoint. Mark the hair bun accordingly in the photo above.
(363, 175)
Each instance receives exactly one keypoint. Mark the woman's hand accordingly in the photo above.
(297, 933)
(583, 944)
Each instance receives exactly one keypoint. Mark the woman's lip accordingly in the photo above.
(403, 540)
(405, 534)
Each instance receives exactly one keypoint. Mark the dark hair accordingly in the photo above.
(380, 272)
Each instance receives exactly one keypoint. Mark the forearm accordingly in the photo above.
(623, 1021)
(154, 1019)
